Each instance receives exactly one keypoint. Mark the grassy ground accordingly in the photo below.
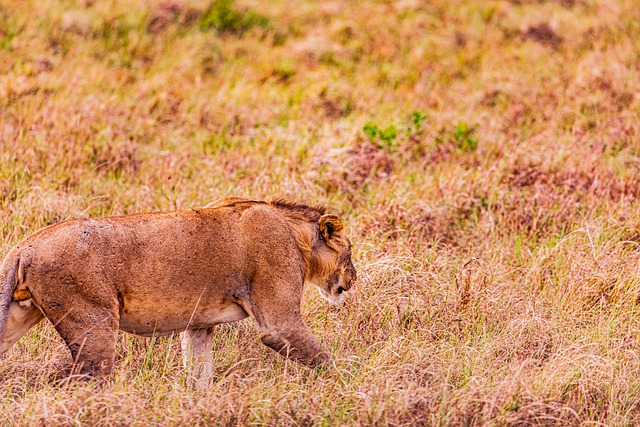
(485, 156)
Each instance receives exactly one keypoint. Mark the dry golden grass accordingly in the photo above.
(485, 156)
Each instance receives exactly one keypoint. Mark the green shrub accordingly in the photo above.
(463, 136)
(223, 17)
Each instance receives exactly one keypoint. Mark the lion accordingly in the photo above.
(182, 271)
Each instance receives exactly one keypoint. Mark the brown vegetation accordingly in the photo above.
(483, 154)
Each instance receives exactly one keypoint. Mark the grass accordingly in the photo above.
(484, 156)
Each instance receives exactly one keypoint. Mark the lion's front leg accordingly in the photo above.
(277, 317)
(273, 298)
(197, 353)
(294, 339)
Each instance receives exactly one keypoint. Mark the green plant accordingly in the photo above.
(418, 118)
(383, 137)
(464, 137)
(222, 17)
(371, 130)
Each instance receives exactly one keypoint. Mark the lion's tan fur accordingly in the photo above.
(160, 273)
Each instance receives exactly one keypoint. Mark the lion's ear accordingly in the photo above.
(330, 225)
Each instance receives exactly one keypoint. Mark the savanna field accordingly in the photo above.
(484, 156)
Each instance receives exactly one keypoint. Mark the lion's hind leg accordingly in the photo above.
(197, 353)
(20, 318)
(90, 333)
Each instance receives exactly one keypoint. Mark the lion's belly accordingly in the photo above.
(167, 320)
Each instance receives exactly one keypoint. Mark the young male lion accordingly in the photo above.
(179, 271)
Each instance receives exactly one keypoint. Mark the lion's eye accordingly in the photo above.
(340, 289)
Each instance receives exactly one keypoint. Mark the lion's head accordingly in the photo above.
(331, 258)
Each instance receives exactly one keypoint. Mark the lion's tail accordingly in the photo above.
(8, 272)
